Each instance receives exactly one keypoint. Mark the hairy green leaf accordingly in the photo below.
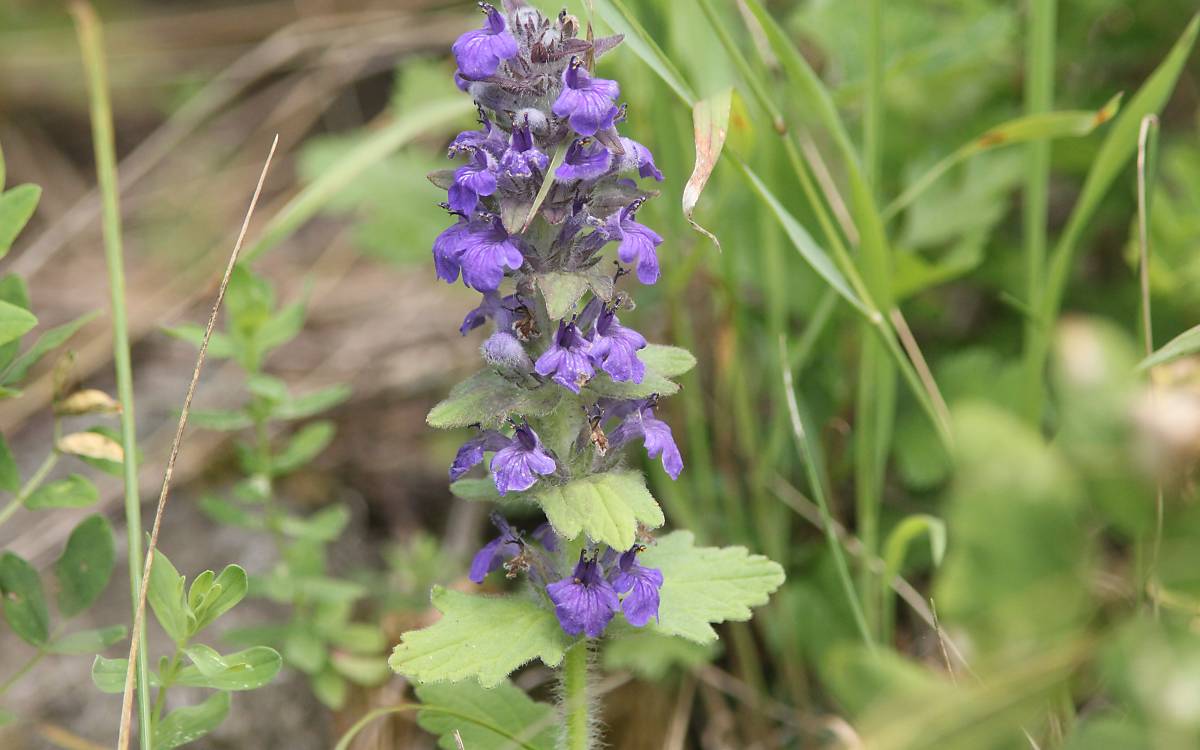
(487, 399)
(481, 637)
(703, 585)
(562, 292)
(486, 717)
(606, 507)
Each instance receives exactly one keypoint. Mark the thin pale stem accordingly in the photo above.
(577, 722)
(30, 486)
(28, 665)
(92, 44)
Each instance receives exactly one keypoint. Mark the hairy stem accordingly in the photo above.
(577, 733)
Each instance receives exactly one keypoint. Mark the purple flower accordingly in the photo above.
(584, 602)
(639, 157)
(489, 138)
(493, 554)
(655, 434)
(486, 251)
(567, 359)
(586, 102)
(471, 452)
(522, 156)
(545, 535)
(479, 52)
(614, 348)
(514, 466)
(586, 159)
(474, 179)
(446, 250)
(640, 586)
(638, 242)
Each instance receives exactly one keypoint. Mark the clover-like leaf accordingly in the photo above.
(87, 641)
(486, 717)
(85, 566)
(16, 206)
(15, 322)
(703, 585)
(243, 670)
(46, 342)
(487, 399)
(607, 507)
(73, 492)
(482, 637)
(190, 723)
(24, 600)
(166, 598)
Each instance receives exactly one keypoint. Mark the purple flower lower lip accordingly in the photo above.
(471, 452)
(640, 586)
(566, 361)
(586, 159)
(638, 242)
(492, 555)
(480, 52)
(472, 181)
(584, 602)
(655, 433)
(486, 250)
(586, 102)
(515, 467)
(614, 349)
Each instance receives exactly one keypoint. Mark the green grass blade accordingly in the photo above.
(620, 20)
(91, 43)
(1028, 129)
(395, 135)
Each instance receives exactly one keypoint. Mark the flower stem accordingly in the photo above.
(29, 487)
(30, 664)
(575, 698)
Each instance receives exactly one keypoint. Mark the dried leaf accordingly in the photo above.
(87, 401)
(92, 445)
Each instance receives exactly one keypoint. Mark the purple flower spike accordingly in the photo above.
(522, 156)
(655, 434)
(586, 102)
(514, 467)
(480, 52)
(471, 452)
(638, 242)
(614, 348)
(586, 159)
(640, 586)
(473, 180)
(446, 251)
(486, 251)
(566, 359)
(639, 157)
(584, 602)
(493, 554)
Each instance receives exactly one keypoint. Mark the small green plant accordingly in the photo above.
(184, 612)
(320, 639)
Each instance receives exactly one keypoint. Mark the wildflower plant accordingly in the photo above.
(547, 185)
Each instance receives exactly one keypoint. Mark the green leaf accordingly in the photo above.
(7, 717)
(910, 528)
(268, 387)
(325, 525)
(358, 638)
(86, 565)
(303, 447)
(15, 322)
(368, 671)
(47, 342)
(562, 292)
(703, 585)
(1119, 146)
(230, 514)
(73, 492)
(606, 507)
(10, 474)
(207, 660)
(12, 290)
(476, 489)
(1182, 345)
(166, 598)
(330, 688)
(312, 403)
(16, 206)
(227, 590)
(190, 723)
(481, 637)
(487, 399)
(24, 601)
(108, 675)
(220, 346)
(283, 326)
(224, 420)
(87, 641)
(242, 670)
(304, 651)
(495, 717)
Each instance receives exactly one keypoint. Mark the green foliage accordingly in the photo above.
(486, 717)
(190, 723)
(24, 600)
(86, 565)
(607, 507)
(486, 398)
(479, 637)
(73, 492)
(651, 655)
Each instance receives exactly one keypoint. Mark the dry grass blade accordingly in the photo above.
(140, 612)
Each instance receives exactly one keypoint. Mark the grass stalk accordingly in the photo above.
(1039, 98)
(91, 43)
